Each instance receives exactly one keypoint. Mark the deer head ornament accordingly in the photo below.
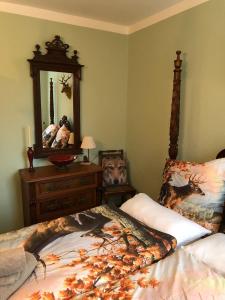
(66, 88)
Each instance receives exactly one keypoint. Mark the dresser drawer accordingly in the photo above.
(49, 193)
(51, 208)
(48, 187)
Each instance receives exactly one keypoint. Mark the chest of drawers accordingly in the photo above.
(49, 192)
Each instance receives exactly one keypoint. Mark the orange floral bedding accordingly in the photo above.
(101, 253)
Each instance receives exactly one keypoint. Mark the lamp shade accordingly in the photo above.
(88, 143)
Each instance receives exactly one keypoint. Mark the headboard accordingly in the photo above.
(221, 154)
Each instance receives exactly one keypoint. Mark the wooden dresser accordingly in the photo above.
(49, 192)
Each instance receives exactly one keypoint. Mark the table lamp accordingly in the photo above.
(88, 143)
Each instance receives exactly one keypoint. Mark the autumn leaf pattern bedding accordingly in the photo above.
(101, 253)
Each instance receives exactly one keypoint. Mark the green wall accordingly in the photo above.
(200, 34)
(103, 95)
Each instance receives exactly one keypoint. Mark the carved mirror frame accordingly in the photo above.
(55, 59)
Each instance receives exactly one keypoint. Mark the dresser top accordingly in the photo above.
(48, 172)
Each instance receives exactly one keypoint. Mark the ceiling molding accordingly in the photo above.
(164, 14)
(45, 14)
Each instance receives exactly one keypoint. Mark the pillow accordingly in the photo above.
(62, 138)
(196, 191)
(49, 134)
(148, 211)
(12, 261)
(210, 250)
(114, 171)
(9, 284)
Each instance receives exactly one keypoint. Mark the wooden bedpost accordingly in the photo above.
(51, 103)
(175, 108)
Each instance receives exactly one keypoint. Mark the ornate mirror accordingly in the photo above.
(56, 89)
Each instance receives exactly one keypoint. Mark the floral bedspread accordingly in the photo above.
(101, 253)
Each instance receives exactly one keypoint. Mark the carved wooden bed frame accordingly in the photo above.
(175, 111)
(221, 154)
(175, 108)
(175, 117)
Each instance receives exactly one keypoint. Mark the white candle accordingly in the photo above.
(28, 136)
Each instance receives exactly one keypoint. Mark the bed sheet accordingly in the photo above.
(182, 276)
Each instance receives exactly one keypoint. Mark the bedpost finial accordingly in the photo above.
(178, 61)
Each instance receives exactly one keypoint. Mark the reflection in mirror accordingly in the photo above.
(57, 109)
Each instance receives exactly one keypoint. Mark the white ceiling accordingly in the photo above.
(120, 13)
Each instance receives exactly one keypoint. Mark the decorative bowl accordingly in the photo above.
(61, 160)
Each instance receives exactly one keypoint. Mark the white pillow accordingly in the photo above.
(148, 211)
(211, 251)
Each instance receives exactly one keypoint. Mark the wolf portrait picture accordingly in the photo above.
(114, 171)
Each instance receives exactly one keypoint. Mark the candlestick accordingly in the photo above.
(30, 155)
(28, 136)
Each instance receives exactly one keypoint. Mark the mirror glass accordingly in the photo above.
(56, 108)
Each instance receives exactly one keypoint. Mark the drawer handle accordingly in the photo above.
(84, 180)
(51, 207)
(81, 199)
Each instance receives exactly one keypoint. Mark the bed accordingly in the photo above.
(127, 253)
(117, 263)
